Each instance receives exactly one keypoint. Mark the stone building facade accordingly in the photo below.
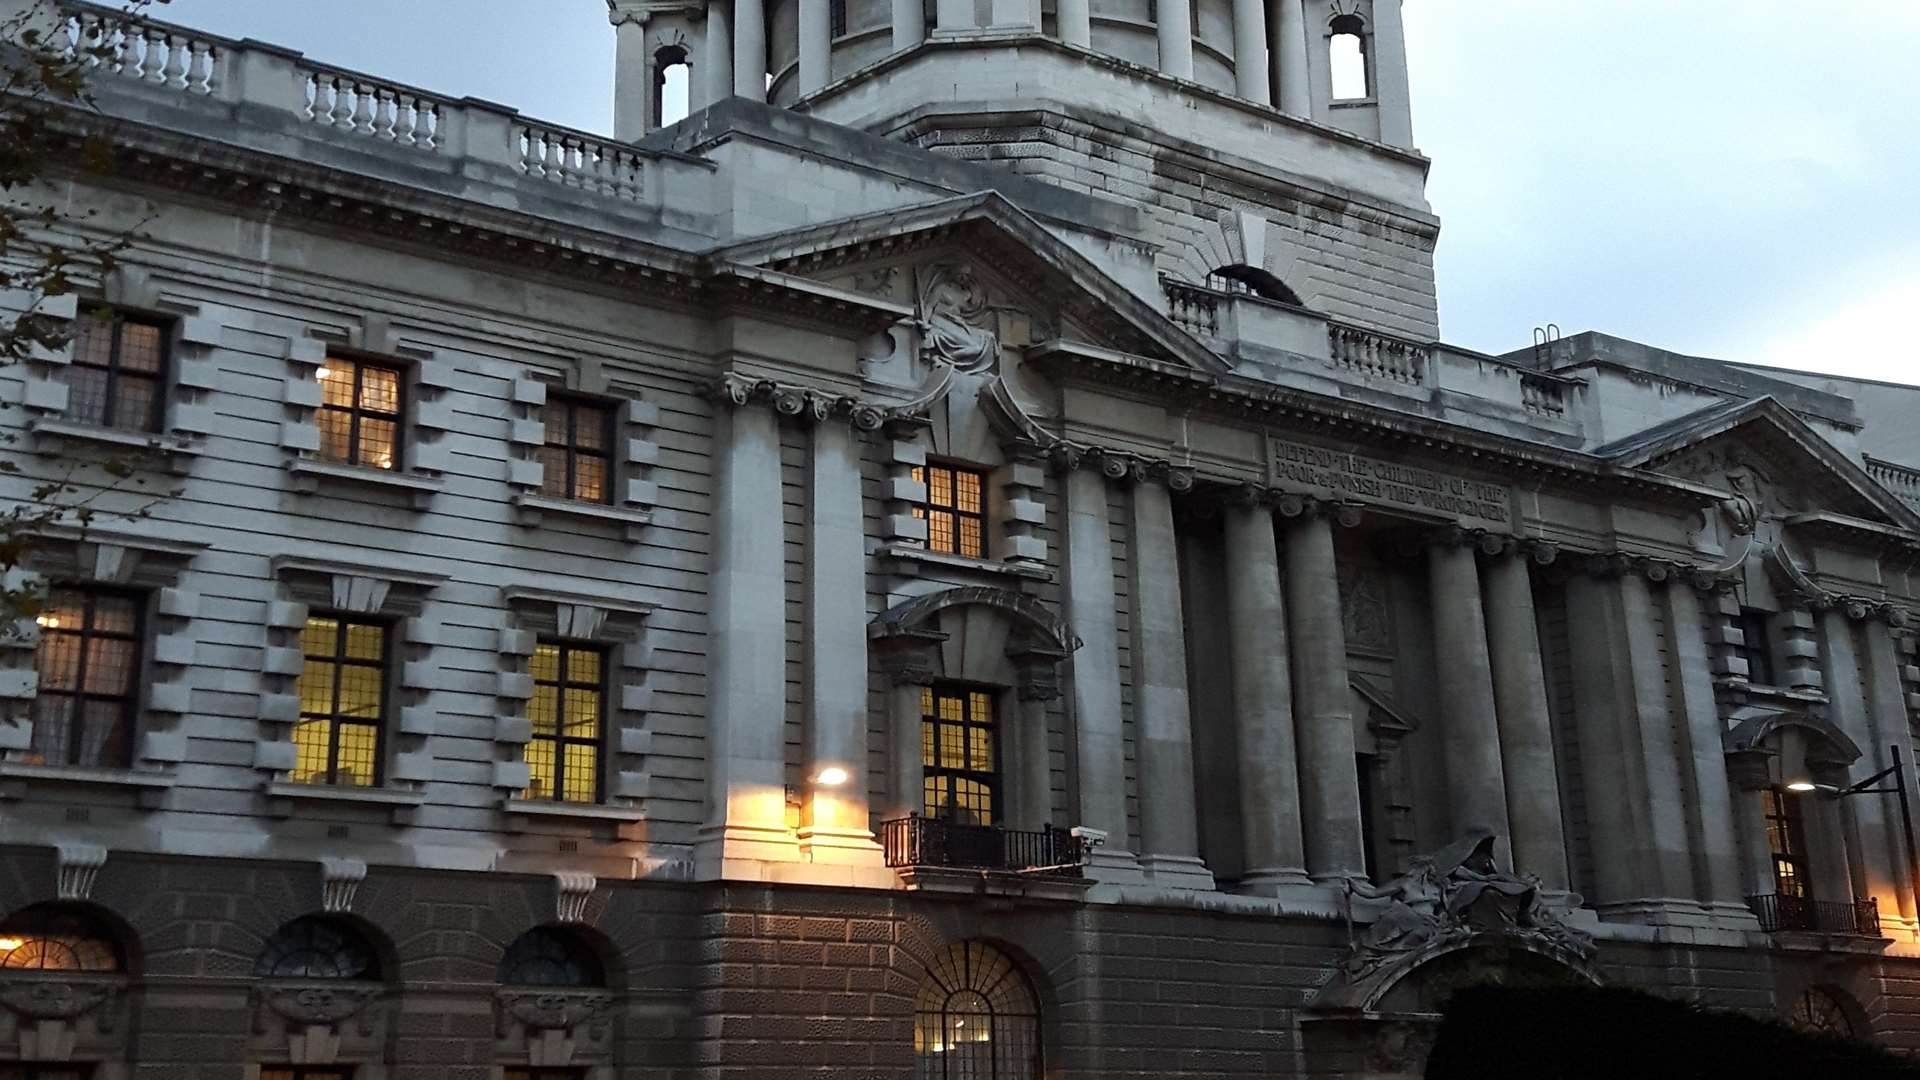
(961, 558)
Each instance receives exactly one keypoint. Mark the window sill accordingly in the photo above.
(50, 434)
(16, 777)
(309, 472)
(533, 508)
(1772, 693)
(541, 808)
(282, 794)
(962, 564)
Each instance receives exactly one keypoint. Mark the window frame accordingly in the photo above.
(990, 780)
(357, 411)
(117, 318)
(1786, 829)
(340, 661)
(571, 450)
(1756, 633)
(131, 701)
(561, 684)
(926, 509)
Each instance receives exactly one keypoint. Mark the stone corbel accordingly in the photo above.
(340, 879)
(78, 866)
(572, 891)
(795, 402)
(49, 1013)
(1036, 670)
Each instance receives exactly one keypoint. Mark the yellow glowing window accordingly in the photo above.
(577, 455)
(118, 375)
(955, 510)
(958, 754)
(343, 702)
(567, 711)
(359, 413)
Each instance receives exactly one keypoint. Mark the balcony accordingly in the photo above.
(1794, 914)
(918, 842)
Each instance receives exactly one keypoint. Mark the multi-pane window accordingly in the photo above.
(577, 455)
(89, 663)
(118, 375)
(955, 511)
(1757, 650)
(567, 711)
(343, 699)
(1786, 838)
(360, 409)
(837, 17)
(959, 755)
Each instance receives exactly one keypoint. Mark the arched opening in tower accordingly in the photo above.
(1347, 58)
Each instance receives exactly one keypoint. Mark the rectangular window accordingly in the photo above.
(118, 375)
(307, 1072)
(43, 1072)
(577, 455)
(837, 18)
(568, 715)
(955, 510)
(89, 664)
(1758, 650)
(959, 755)
(546, 1074)
(1366, 767)
(360, 413)
(1787, 838)
(343, 702)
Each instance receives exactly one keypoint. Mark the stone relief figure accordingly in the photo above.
(1745, 508)
(1416, 916)
(954, 320)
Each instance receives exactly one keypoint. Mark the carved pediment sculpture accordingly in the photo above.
(957, 326)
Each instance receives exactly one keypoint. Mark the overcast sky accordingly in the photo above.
(1732, 178)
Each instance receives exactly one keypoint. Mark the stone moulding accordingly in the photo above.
(551, 1010)
(310, 1005)
(36, 998)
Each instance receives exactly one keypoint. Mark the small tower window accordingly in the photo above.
(671, 76)
(1348, 58)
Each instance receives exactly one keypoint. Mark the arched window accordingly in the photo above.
(550, 956)
(672, 72)
(976, 1018)
(1821, 1010)
(317, 947)
(58, 937)
(1347, 57)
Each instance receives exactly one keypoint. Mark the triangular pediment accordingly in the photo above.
(1054, 292)
(1760, 450)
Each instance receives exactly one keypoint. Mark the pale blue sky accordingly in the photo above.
(1735, 178)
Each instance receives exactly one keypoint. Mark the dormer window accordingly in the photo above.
(955, 510)
(359, 415)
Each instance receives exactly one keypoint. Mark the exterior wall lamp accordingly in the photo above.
(1897, 771)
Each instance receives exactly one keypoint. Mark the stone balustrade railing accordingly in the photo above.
(1193, 308)
(1544, 395)
(158, 54)
(1902, 480)
(1376, 355)
(369, 108)
(577, 159)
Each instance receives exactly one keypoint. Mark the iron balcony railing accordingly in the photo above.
(918, 841)
(1859, 918)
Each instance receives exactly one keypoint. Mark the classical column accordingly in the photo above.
(1711, 831)
(1100, 753)
(632, 73)
(1017, 13)
(746, 658)
(1747, 775)
(909, 24)
(910, 663)
(816, 47)
(749, 49)
(1262, 702)
(1075, 23)
(1036, 688)
(1886, 696)
(836, 646)
(1470, 729)
(955, 15)
(1290, 60)
(1390, 75)
(1175, 24)
(1250, 51)
(1322, 699)
(1875, 818)
(1526, 733)
(718, 47)
(1163, 723)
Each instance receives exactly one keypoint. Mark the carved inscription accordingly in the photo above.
(1369, 480)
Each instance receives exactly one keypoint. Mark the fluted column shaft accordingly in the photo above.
(1470, 732)
(717, 82)
(1526, 734)
(1262, 703)
(1176, 38)
(1250, 51)
(1295, 90)
(816, 47)
(1075, 23)
(750, 49)
(1322, 703)
(909, 24)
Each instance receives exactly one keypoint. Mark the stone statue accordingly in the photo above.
(1416, 915)
(953, 307)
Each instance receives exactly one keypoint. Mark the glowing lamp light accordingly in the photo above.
(1803, 786)
(831, 776)
(9, 944)
(50, 622)
(325, 373)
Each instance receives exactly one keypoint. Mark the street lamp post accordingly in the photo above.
(1898, 772)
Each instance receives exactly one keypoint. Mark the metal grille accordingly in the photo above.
(918, 841)
(1820, 1011)
(955, 511)
(316, 947)
(89, 665)
(567, 709)
(118, 372)
(52, 937)
(343, 702)
(976, 1018)
(550, 956)
(576, 457)
(959, 755)
(359, 418)
(1854, 918)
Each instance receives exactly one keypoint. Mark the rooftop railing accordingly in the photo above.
(918, 841)
(1854, 918)
(1902, 480)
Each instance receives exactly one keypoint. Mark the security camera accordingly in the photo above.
(1089, 837)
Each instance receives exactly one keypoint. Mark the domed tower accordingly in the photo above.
(1269, 142)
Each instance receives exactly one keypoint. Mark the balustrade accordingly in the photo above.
(579, 160)
(918, 841)
(1902, 480)
(1192, 308)
(1543, 395)
(1377, 355)
(353, 103)
(145, 51)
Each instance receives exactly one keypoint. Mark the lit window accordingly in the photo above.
(317, 947)
(576, 456)
(959, 755)
(955, 511)
(89, 664)
(1786, 838)
(563, 758)
(117, 374)
(343, 698)
(56, 937)
(1347, 54)
(550, 956)
(360, 406)
(976, 1015)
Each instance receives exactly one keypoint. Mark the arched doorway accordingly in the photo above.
(976, 1017)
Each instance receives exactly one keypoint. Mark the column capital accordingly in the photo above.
(909, 657)
(804, 403)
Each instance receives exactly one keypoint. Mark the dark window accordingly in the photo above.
(577, 457)
(568, 715)
(976, 1017)
(550, 956)
(307, 1072)
(837, 17)
(1365, 767)
(671, 79)
(58, 937)
(1787, 838)
(955, 510)
(44, 1072)
(317, 947)
(343, 702)
(960, 754)
(1819, 1010)
(89, 662)
(1756, 649)
(360, 407)
(1347, 57)
(118, 375)
(546, 1074)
